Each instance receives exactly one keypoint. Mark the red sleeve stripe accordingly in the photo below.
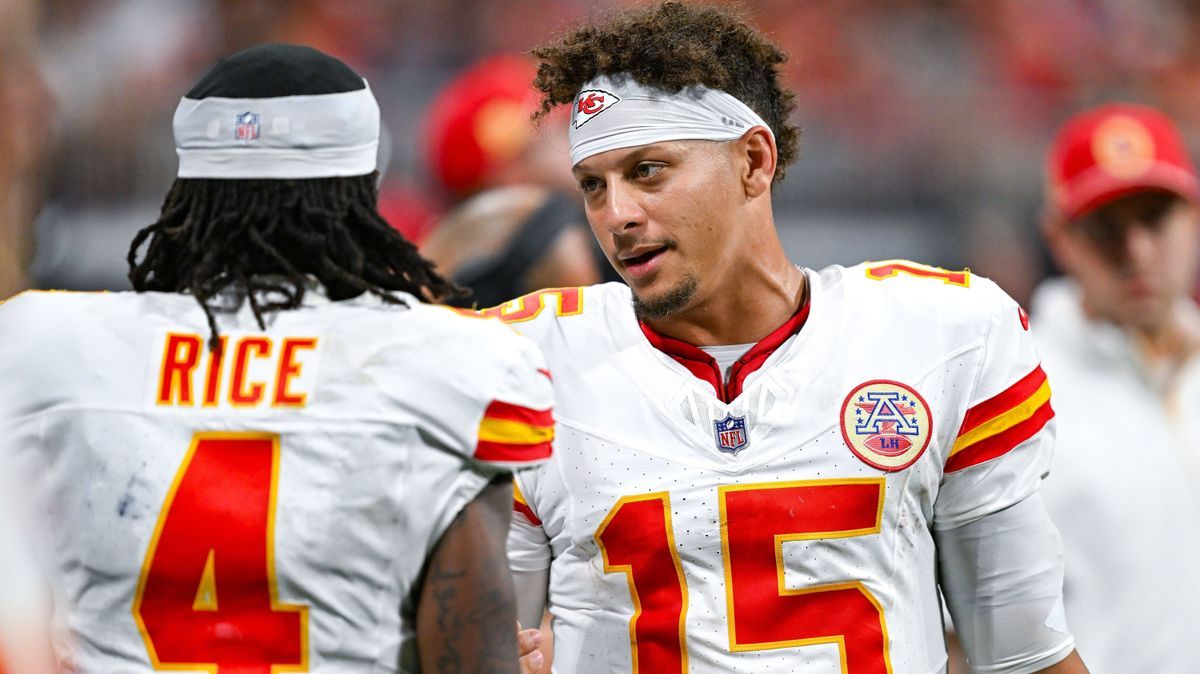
(520, 505)
(525, 415)
(504, 452)
(1004, 401)
(1001, 443)
(525, 510)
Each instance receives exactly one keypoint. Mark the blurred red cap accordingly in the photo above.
(481, 120)
(1115, 150)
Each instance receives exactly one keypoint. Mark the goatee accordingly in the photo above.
(671, 302)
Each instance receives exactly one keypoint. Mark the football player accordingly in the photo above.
(275, 455)
(761, 467)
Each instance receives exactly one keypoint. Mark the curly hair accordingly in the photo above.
(264, 238)
(672, 46)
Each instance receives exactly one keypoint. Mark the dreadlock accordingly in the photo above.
(264, 238)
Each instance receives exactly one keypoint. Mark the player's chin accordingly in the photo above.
(662, 299)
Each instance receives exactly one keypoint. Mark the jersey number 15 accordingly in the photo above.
(756, 520)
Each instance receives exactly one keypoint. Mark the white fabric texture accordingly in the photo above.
(614, 111)
(1124, 491)
(1002, 576)
(288, 137)
(532, 589)
(726, 355)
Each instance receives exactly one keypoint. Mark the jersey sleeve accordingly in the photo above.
(1003, 446)
(517, 426)
(1002, 575)
(528, 544)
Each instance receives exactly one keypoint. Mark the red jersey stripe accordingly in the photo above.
(527, 512)
(1004, 401)
(1000, 444)
(511, 412)
(504, 452)
(522, 506)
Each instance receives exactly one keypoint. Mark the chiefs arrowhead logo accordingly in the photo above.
(589, 103)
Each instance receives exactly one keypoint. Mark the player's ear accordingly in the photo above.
(758, 148)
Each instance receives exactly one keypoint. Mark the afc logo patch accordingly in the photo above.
(589, 103)
(246, 126)
(886, 424)
(731, 434)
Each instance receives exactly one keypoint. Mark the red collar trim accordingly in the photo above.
(705, 367)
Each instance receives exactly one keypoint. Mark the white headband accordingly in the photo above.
(614, 111)
(319, 136)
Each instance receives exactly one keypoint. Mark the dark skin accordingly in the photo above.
(466, 607)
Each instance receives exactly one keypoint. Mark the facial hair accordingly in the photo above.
(671, 302)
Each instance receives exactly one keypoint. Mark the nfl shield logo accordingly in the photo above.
(245, 127)
(731, 434)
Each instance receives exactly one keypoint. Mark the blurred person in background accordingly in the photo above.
(25, 135)
(27, 111)
(1119, 336)
(25, 599)
(275, 454)
(518, 225)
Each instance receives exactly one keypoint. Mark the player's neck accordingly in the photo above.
(742, 310)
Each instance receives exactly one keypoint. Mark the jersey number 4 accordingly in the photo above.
(207, 597)
(756, 520)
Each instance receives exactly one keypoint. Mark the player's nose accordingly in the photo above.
(622, 209)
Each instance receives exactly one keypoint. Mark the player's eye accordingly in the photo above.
(647, 169)
(589, 185)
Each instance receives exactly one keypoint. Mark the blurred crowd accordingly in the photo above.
(924, 121)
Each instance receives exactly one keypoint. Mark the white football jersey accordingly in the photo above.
(789, 530)
(267, 507)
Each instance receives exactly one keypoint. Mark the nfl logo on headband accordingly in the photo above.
(246, 126)
(322, 120)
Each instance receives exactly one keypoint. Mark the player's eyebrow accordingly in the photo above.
(632, 158)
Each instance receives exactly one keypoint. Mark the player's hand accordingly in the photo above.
(527, 647)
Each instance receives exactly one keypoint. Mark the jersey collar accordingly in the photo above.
(705, 367)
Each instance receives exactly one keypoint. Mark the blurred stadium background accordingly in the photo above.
(924, 121)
